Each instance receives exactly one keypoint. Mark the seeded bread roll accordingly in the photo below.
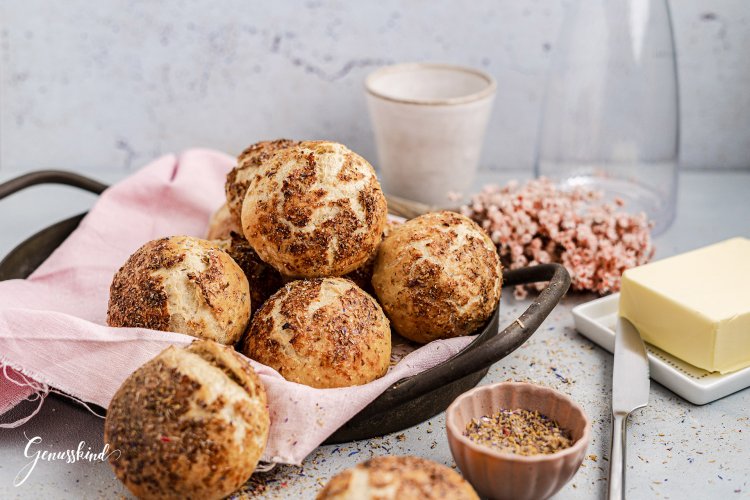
(263, 279)
(190, 423)
(248, 161)
(222, 223)
(398, 478)
(314, 210)
(181, 284)
(437, 276)
(323, 332)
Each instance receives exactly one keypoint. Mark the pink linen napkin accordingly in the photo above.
(53, 332)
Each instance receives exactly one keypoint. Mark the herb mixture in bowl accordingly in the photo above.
(521, 432)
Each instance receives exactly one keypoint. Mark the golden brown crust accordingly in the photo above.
(181, 284)
(263, 279)
(248, 161)
(323, 332)
(232, 364)
(222, 224)
(402, 478)
(315, 209)
(184, 428)
(437, 276)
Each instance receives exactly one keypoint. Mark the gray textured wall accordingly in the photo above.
(109, 84)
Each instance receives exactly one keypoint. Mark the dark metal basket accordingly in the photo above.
(407, 402)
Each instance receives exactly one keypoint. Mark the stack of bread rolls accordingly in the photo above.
(300, 271)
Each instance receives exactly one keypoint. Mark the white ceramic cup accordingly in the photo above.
(429, 122)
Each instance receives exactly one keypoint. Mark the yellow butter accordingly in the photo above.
(695, 306)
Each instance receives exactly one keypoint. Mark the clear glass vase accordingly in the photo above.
(610, 118)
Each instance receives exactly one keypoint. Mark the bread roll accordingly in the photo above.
(398, 478)
(437, 276)
(323, 332)
(263, 279)
(314, 210)
(190, 423)
(181, 284)
(222, 223)
(248, 161)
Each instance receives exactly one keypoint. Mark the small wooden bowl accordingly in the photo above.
(506, 475)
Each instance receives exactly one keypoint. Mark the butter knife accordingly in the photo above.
(630, 385)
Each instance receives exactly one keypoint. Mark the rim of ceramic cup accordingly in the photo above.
(458, 434)
(487, 91)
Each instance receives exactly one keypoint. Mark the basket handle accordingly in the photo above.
(21, 182)
(472, 360)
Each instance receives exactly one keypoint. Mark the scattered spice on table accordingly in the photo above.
(520, 431)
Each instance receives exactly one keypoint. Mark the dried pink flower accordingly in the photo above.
(539, 223)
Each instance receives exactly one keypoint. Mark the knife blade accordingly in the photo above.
(630, 387)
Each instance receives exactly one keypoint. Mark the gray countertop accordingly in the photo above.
(675, 449)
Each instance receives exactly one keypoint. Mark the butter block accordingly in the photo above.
(695, 306)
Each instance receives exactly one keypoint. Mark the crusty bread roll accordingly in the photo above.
(398, 478)
(323, 332)
(222, 223)
(190, 423)
(314, 210)
(181, 284)
(263, 279)
(248, 161)
(437, 276)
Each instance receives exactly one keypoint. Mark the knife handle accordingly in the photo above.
(616, 490)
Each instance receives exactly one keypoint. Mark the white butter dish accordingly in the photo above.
(596, 321)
